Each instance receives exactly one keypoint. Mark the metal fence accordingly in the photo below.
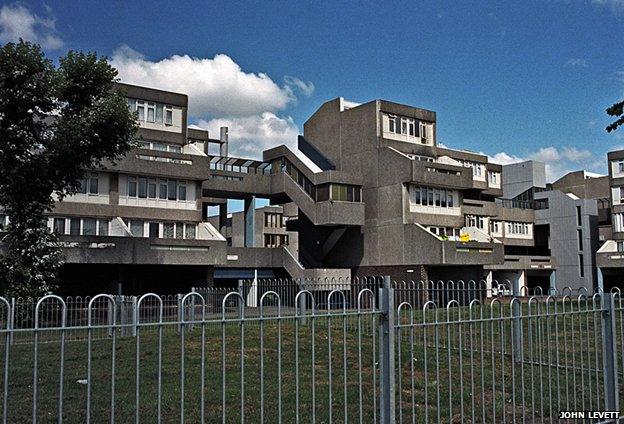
(363, 350)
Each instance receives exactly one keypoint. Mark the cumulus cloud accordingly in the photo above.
(307, 88)
(16, 22)
(250, 135)
(216, 86)
(559, 161)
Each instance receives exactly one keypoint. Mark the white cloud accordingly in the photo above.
(577, 63)
(307, 88)
(216, 87)
(17, 22)
(559, 161)
(250, 135)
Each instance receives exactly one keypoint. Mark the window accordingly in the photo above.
(581, 266)
(182, 190)
(578, 216)
(393, 126)
(495, 227)
(621, 193)
(74, 226)
(151, 112)
(102, 227)
(140, 110)
(89, 184)
(618, 222)
(493, 177)
(475, 221)
(172, 189)
(580, 239)
(151, 189)
(159, 113)
(142, 187)
(275, 240)
(132, 187)
(162, 193)
(59, 225)
(168, 116)
(154, 229)
(429, 196)
(620, 246)
(621, 166)
(190, 230)
(93, 184)
(168, 230)
(273, 220)
(136, 228)
(518, 228)
(426, 133)
(89, 226)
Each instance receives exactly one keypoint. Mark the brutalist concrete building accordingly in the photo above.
(371, 192)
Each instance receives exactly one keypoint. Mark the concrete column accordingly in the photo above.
(600, 279)
(553, 281)
(488, 284)
(520, 284)
(222, 218)
(250, 224)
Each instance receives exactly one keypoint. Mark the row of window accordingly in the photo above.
(164, 159)
(274, 220)
(410, 127)
(89, 184)
(178, 230)
(449, 232)
(618, 222)
(151, 111)
(161, 147)
(151, 188)
(429, 196)
(322, 192)
(519, 228)
(475, 221)
(80, 226)
(275, 240)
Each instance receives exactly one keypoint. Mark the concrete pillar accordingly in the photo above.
(488, 284)
(222, 218)
(250, 224)
(520, 284)
(553, 281)
(600, 279)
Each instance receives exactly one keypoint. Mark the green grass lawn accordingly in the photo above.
(445, 383)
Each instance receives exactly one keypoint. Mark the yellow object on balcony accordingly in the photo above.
(464, 238)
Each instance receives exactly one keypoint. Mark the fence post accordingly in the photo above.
(609, 357)
(517, 323)
(386, 354)
(12, 319)
(134, 316)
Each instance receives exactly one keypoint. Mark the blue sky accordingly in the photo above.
(516, 80)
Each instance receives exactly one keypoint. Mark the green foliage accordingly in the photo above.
(616, 109)
(55, 122)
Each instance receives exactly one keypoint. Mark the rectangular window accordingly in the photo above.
(168, 230)
(140, 110)
(620, 246)
(580, 239)
(93, 184)
(443, 198)
(132, 105)
(103, 227)
(581, 266)
(621, 193)
(82, 186)
(182, 191)
(153, 229)
(179, 232)
(159, 113)
(449, 199)
(412, 126)
(168, 116)
(578, 216)
(162, 193)
(403, 125)
(151, 189)
(190, 230)
(59, 225)
(74, 226)
(88, 226)
(172, 189)
(392, 124)
(132, 187)
(136, 228)
(621, 166)
(151, 112)
(142, 187)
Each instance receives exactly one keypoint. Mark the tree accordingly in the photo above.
(616, 109)
(55, 122)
